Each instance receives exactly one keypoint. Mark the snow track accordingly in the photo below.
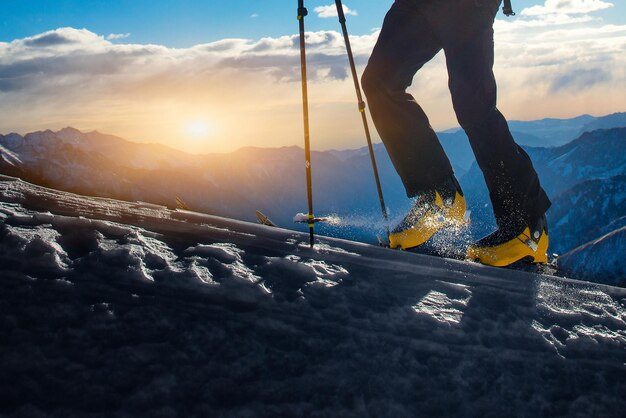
(117, 309)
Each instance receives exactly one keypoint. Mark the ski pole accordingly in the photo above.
(359, 95)
(302, 12)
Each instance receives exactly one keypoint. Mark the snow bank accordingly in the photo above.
(116, 309)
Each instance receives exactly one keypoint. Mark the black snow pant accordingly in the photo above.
(413, 32)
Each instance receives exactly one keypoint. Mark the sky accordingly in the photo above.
(207, 76)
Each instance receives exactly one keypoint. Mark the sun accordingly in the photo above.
(199, 128)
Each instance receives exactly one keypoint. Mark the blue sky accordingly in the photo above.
(183, 23)
(204, 75)
(179, 23)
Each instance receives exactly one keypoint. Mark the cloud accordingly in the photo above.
(82, 53)
(49, 39)
(546, 67)
(254, 15)
(541, 22)
(72, 58)
(554, 13)
(144, 91)
(59, 37)
(331, 11)
(566, 7)
(579, 79)
(562, 63)
(114, 36)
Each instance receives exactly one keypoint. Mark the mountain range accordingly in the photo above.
(584, 173)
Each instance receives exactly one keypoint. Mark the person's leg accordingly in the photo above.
(518, 199)
(513, 184)
(405, 44)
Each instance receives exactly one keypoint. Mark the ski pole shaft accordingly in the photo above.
(359, 95)
(302, 12)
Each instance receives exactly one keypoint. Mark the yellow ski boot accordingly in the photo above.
(441, 207)
(505, 247)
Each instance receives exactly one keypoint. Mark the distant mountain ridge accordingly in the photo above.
(553, 132)
(578, 176)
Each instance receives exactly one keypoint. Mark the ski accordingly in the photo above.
(264, 220)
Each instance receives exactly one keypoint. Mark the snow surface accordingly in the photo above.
(115, 308)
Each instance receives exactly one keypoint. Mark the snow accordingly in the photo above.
(441, 308)
(112, 308)
(329, 219)
(9, 156)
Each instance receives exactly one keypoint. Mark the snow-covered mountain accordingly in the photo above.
(599, 154)
(118, 150)
(588, 211)
(603, 258)
(114, 308)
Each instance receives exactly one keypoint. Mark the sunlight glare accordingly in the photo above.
(199, 128)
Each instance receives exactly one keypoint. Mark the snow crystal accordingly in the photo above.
(35, 248)
(592, 315)
(561, 298)
(441, 308)
(309, 271)
(556, 339)
(194, 271)
(229, 256)
(289, 277)
(599, 333)
(227, 253)
(322, 269)
(113, 253)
